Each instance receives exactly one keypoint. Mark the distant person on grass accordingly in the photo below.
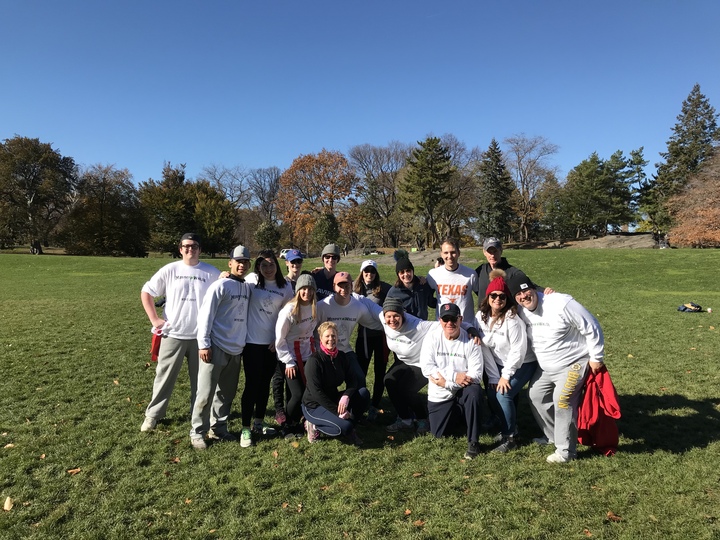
(222, 329)
(566, 339)
(183, 283)
(453, 365)
(453, 282)
(328, 410)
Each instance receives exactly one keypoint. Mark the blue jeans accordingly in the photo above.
(330, 423)
(506, 402)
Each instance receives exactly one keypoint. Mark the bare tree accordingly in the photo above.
(527, 160)
(264, 185)
(379, 167)
(231, 181)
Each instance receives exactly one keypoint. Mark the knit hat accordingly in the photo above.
(403, 261)
(518, 282)
(392, 303)
(497, 283)
(305, 280)
(331, 249)
(342, 277)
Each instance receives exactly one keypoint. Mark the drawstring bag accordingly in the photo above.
(691, 307)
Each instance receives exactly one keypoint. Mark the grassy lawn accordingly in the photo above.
(76, 378)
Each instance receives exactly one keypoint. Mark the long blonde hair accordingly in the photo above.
(295, 311)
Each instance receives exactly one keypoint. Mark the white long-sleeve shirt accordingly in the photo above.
(507, 343)
(222, 320)
(449, 357)
(358, 310)
(561, 332)
(294, 338)
(407, 341)
(184, 288)
(265, 304)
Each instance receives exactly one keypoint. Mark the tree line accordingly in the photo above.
(392, 195)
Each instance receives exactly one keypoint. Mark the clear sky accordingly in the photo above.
(258, 83)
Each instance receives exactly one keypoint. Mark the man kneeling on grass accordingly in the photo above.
(222, 329)
(453, 364)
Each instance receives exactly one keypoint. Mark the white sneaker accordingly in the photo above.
(148, 424)
(198, 443)
(557, 458)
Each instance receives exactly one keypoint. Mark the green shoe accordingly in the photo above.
(246, 438)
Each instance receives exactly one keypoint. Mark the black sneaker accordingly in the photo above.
(507, 444)
(473, 450)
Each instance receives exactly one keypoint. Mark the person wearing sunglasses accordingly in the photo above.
(453, 365)
(505, 335)
(325, 276)
(184, 284)
(493, 250)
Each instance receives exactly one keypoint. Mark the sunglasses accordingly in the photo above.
(495, 296)
(333, 257)
(449, 319)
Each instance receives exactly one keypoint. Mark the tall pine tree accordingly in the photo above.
(692, 141)
(495, 215)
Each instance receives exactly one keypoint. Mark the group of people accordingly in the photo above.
(292, 333)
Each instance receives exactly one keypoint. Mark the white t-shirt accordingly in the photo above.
(455, 287)
(184, 288)
(265, 304)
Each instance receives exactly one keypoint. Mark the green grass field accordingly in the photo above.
(76, 378)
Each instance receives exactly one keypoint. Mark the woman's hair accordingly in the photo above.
(359, 285)
(486, 310)
(268, 254)
(295, 311)
(327, 325)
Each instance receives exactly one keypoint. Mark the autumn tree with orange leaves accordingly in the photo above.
(696, 210)
(315, 184)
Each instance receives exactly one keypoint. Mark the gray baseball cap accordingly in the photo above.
(240, 252)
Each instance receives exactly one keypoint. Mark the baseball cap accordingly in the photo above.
(342, 277)
(191, 236)
(491, 241)
(293, 255)
(240, 252)
(449, 309)
(367, 263)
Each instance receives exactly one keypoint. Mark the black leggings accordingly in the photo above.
(374, 345)
(403, 385)
(259, 362)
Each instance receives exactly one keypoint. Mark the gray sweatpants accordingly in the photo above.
(554, 399)
(216, 388)
(170, 361)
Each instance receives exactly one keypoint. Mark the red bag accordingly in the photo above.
(155, 345)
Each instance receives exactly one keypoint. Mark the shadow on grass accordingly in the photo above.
(670, 422)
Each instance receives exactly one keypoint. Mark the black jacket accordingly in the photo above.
(324, 375)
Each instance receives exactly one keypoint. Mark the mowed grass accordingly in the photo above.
(76, 378)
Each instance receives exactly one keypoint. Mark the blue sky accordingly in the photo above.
(256, 84)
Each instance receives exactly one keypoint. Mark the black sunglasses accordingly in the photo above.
(495, 296)
(449, 318)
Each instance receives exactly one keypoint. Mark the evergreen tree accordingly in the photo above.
(424, 187)
(692, 141)
(495, 215)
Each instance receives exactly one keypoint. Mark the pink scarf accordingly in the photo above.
(332, 354)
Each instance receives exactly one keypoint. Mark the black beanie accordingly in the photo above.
(404, 264)
(518, 281)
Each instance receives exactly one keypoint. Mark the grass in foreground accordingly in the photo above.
(73, 361)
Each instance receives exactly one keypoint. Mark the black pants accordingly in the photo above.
(403, 385)
(467, 404)
(259, 362)
(367, 346)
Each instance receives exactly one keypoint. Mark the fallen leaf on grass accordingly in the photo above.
(73, 472)
(663, 388)
(417, 474)
(612, 516)
(128, 400)
(116, 382)
(688, 371)
(693, 348)
(391, 438)
(8, 504)
(42, 456)
(188, 501)
(596, 488)
(418, 522)
(4, 433)
(285, 504)
(408, 511)
(324, 488)
(275, 454)
(147, 365)
(9, 445)
(630, 356)
(466, 476)
(300, 508)
(295, 444)
(211, 531)
(175, 460)
(587, 533)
